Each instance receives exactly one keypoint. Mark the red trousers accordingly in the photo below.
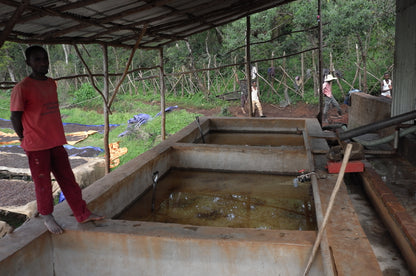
(55, 160)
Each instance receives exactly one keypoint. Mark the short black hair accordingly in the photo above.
(32, 49)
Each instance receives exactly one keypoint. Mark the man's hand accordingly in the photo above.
(16, 118)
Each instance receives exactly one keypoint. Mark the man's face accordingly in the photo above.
(39, 62)
(386, 76)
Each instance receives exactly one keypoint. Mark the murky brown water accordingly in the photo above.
(253, 139)
(244, 200)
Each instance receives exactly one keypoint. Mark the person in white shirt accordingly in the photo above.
(386, 86)
(255, 99)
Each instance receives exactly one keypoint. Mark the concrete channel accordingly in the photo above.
(126, 247)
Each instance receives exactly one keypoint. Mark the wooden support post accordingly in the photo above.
(248, 67)
(162, 93)
(273, 70)
(302, 76)
(320, 75)
(106, 95)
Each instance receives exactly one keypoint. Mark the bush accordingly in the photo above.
(86, 96)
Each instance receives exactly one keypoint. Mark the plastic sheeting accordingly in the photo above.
(141, 119)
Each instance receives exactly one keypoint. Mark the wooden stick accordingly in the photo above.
(330, 205)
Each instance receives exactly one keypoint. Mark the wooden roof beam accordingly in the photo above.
(43, 11)
(33, 15)
(106, 19)
(12, 21)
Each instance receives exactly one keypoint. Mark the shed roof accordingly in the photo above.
(119, 23)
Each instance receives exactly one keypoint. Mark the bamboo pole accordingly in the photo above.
(287, 98)
(106, 95)
(329, 208)
(273, 70)
(320, 76)
(332, 70)
(162, 93)
(91, 76)
(139, 39)
(248, 67)
(269, 84)
(315, 83)
(302, 77)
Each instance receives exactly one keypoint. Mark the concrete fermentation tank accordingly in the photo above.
(254, 149)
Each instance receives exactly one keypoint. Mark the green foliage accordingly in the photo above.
(273, 32)
(5, 59)
(5, 104)
(86, 96)
(81, 116)
(225, 112)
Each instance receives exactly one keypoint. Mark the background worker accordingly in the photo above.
(255, 99)
(36, 119)
(328, 97)
(243, 93)
(386, 86)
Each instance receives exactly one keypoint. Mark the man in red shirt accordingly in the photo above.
(36, 118)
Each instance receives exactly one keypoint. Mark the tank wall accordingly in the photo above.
(366, 109)
(112, 193)
(257, 159)
(256, 124)
(150, 249)
(34, 258)
(240, 125)
(122, 247)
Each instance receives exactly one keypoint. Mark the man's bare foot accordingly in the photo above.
(92, 217)
(51, 224)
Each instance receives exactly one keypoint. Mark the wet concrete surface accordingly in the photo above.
(400, 177)
(388, 254)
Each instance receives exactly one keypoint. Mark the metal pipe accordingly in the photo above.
(155, 178)
(396, 139)
(380, 152)
(377, 125)
(387, 139)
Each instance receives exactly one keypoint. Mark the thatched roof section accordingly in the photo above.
(118, 22)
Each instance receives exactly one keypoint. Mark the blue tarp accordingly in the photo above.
(83, 151)
(111, 125)
(347, 99)
(168, 109)
(61, 197)
(88, 151)
(141, 119)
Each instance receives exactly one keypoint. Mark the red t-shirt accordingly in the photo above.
(41, 119)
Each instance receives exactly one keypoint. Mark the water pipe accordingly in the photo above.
(155, 178)
(388, 138)
(377, 125)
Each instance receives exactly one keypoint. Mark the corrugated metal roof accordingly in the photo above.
(118, 22)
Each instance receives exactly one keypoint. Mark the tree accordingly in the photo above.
(356, 21)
